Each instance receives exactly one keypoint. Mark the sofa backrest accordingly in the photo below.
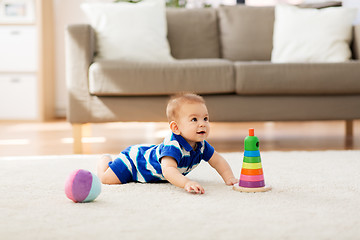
(238, 33)
(246, 33)
(355, 47)
(193, 33)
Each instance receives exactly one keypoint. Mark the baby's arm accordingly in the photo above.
(223, 168)
(172, 174)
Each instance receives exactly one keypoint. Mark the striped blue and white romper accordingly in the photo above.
(141, 163)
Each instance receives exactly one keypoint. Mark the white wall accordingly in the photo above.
(353, 4)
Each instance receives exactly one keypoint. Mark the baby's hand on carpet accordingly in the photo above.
(231, 181)
(194, 187)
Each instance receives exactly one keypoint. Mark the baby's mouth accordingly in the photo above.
(201, 132)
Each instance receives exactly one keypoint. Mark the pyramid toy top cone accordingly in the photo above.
(252, 176)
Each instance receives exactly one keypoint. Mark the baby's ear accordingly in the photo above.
(174, 127)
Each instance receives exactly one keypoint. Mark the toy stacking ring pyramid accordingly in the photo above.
(252, 176)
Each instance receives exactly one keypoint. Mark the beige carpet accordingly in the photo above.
(316, 195)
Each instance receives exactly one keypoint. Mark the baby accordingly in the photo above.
(179, 153)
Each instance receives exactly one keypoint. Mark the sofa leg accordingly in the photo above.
(349, 134)
(77, 136)
(349, 128)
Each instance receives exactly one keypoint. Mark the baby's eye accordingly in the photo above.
(206, 119)
(194, 119)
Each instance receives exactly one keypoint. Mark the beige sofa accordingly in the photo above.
(223, 54)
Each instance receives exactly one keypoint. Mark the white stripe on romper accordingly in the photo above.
(133, 155)
(150, 167)
(176, 144)
(126, 161)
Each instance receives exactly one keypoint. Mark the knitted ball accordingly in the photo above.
(82, 186)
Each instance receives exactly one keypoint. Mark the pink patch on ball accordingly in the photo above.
(68, 184)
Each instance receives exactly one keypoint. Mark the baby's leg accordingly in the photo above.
(106, 175)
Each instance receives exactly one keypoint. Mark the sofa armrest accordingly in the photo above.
(79, 54)
(356, 42)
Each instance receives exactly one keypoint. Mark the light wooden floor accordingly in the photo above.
(53, 138)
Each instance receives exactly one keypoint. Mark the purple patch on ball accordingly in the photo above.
(82, 185)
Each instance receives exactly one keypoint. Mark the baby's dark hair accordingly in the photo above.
(179, 99)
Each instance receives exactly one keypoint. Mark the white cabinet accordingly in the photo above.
(26, 59)
(18, 49)
(18, 66)
(18, 96)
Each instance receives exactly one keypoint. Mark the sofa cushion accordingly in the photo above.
(297, 78)
(117, 78)
(312, 35)
(193, 33)
(118, 36)
(246, 32)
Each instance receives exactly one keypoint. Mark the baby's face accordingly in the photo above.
(193, 122)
